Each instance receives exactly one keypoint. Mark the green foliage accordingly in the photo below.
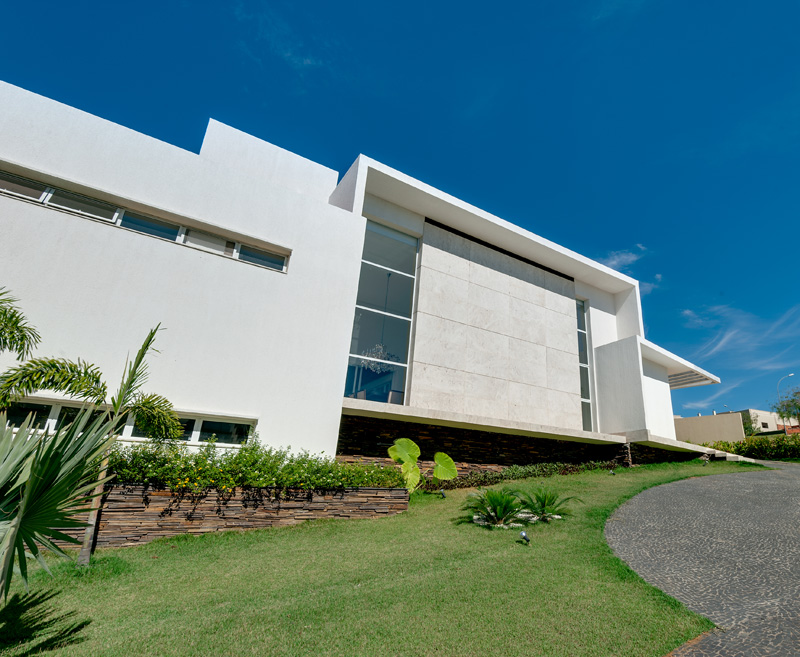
(788, 405)
(545, 504)
(79, 379)
(44, 481)
(173, 466)
(513, 472)
(156, 418)
(773, 447)
(15, 333)
(406, 452)
(750, 424)
(494, 508)
(444, 468)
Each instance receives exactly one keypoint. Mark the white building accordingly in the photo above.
(290, 298)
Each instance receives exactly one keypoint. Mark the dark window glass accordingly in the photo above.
(384, 290)
(586, 409)
(263, 258)
(69, 413)
(581, 312)
(17, 413)
(380, 336)
(585, 383)
(29, 188)
(188, 427)
(583, 353)
(373, 381)
(224, 432)
(82, 204)
(149, 226)
(390, 248)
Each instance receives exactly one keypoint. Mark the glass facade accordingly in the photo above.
(583, 360)
(379, 343)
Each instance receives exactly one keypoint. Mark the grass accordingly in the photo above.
(419, 584)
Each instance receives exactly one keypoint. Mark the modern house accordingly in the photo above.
(313, 307)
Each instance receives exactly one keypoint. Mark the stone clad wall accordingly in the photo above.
(133, 515)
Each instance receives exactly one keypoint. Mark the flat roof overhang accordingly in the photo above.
(398, 188)
(363, 408)
(681, 373)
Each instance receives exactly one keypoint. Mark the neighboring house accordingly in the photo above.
(767, 421)
(296, 302)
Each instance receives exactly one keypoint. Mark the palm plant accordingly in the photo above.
(544, 504)
(494, 508)
(48, 479)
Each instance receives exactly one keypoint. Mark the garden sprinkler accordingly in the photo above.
(525, 538)
(441, 490)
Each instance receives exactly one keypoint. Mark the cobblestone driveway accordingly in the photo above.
(728, 547)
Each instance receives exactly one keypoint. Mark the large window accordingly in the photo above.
(583, 360)
(52, 197)
(382, 326)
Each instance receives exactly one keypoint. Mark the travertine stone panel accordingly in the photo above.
(442, 295)
(566, 407)
(493, 335)
(441, 342)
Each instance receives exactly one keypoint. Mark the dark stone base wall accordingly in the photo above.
(369, 438)
(644, 454)
(132, 515)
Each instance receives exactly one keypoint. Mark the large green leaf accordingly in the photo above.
(411, 474)
(444, 468)
(404, 450)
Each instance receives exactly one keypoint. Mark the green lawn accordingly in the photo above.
(416, 584)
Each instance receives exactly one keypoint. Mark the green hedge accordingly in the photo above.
(254, 465)
(773, 447)
(475, 479)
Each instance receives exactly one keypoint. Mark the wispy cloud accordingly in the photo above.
(621, 260)
(719, 391)
(646, 287)
(754, 342)
(273, 32)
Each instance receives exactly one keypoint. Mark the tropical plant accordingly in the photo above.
(544, 504)
(495, 508)
(406, 452)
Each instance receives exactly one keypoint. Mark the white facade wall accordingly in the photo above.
(239, 340)
(657, 400)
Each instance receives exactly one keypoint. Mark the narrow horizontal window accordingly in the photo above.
(209, 242)
(263, 258)
(16, 414)
(81, 204)
(224, 432)
(69, 413)
(27, 188)
(150, 226)
(187, 424)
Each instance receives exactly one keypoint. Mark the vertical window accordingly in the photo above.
(382, 326)
(583, 360)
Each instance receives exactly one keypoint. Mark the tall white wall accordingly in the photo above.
(495, 337)
(620, 396)
(239, 340)
(657, 400)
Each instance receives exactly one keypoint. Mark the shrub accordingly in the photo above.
(544, 504)
(494, 508)
(252, 466)
(773, 447)
(476, 479)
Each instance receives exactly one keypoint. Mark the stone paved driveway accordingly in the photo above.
(728, 547)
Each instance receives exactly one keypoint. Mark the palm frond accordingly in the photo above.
(155, 416)
(48, 482)
(494, 507)
(77, 379)
(545, 503)
(15, 333)
(135, 375)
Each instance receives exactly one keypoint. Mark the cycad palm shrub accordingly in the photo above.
(494, 508)
(544, 504)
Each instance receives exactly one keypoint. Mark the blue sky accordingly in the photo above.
(658, 136)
